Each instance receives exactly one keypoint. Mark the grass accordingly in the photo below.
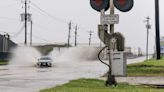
(151, 67)
(3, 62)
(94, 85)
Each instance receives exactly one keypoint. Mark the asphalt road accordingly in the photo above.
(33, 79)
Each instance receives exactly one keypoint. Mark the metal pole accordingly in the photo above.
(147, 44)
(157, 29)
(147, 40)
(111, 12)
(111, 78)
(31, 34)
(101, 16)
(25, 42)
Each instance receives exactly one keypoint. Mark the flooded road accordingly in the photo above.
(33, 79)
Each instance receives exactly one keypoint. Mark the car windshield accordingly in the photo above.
(45, 58)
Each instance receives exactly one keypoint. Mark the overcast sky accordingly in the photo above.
(51, 18)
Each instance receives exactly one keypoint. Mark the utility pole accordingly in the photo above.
(148, 26)
(90, 37)
(25, 17)
(69, 36)
(157, 29)
(31, 34)
(76, 35)
(25, 42)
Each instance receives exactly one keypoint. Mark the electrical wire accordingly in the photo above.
(51, 16)
(39, 38)
(48, 14)
(45, 13)
(100, 58)
(7, 18)
(19, 32)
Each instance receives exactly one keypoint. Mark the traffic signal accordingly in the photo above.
(123, 5)
(99, 5)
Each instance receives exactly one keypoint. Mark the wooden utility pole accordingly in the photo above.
(90, 37)
(25, 42)
(31, 34)
(69, 33)
(76, 35)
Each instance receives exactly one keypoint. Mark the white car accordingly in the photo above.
(44, 61)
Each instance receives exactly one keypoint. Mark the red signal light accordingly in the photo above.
(123, 5)
(99, 5)
(122, 2)
(98, 2)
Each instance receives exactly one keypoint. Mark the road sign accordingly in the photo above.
(110, 19)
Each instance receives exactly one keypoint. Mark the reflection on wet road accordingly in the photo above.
(32, 79)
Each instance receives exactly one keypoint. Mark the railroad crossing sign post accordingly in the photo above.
(112, 40)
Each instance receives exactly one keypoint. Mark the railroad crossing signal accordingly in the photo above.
(122, 5)
(99, 5)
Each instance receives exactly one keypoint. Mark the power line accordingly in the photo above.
(51, 16)
(39, 37)
(19, 32)
(34, 8)
(42, 27)
(7, 18)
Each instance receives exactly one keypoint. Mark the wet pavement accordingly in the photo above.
(33, 79)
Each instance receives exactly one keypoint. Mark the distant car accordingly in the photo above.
(44, 61)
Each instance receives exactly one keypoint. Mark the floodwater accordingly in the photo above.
(69, 64)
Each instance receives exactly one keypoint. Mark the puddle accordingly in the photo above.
(157, 86)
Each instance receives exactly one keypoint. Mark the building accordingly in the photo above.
(5, 45)
(162, 45)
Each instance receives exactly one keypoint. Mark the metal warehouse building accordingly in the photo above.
(5, 45)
